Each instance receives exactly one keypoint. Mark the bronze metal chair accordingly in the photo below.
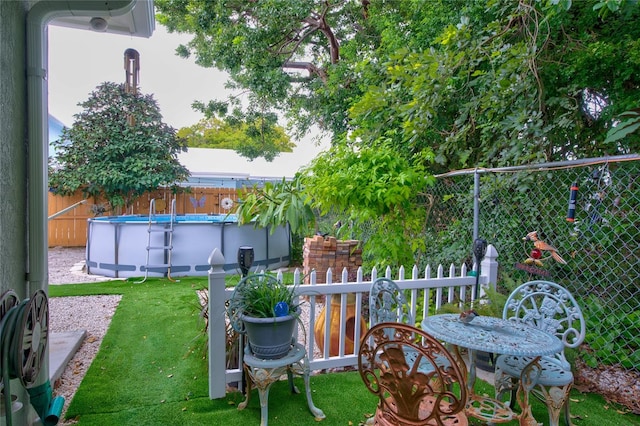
(551, 307)
(387, 303)
(408, 393)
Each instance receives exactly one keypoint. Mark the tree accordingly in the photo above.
(510, 83)
(282, 52)
(118, 148)
(467, 84)
(249, 139)
(481, 83)
(376, 190)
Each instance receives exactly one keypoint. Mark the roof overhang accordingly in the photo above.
(130, 17)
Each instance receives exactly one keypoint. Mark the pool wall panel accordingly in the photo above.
(117, 246)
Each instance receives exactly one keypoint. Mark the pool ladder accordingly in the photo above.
(167, 247)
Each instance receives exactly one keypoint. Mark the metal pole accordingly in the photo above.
(476, 203)
(545, 166)
(66, 209)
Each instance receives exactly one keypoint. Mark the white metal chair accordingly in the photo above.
(388, 304)
(551, 307)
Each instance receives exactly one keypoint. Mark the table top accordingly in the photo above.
(491, 334)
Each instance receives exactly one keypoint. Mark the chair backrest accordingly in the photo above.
(550, 307)
(409, 394)
(387, 303)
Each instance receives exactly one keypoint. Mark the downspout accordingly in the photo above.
(37, 115)
(38, 19)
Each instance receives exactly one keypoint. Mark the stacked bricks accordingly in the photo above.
(324, 253)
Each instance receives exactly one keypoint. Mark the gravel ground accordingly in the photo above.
(90, 313)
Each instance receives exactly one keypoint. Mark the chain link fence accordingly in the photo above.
(599, 241)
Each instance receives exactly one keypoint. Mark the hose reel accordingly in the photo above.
(24, 332)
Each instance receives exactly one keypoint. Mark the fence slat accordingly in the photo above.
(70, 229)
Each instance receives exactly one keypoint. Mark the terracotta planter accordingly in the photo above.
(334, 327)
(270, 338)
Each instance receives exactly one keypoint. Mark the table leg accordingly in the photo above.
(471, 380)
(488, 409)
(264, 404)
(261, 378)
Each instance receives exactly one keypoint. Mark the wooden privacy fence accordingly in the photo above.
(70, 228)
(426, 295)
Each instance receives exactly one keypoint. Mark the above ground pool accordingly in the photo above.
(117, 245)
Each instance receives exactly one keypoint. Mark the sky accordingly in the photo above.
(80, 60)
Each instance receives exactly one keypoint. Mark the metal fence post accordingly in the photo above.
(217, 326)
(476, 204)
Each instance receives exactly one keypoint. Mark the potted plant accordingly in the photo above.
(266, 310)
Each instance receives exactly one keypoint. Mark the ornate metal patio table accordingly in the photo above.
(500, 336)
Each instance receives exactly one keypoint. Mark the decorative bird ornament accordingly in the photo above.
(541, 246)
(468, 316)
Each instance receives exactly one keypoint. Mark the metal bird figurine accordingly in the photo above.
(468, 316)
(544, 247)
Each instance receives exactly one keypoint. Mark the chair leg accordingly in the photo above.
(556, 398)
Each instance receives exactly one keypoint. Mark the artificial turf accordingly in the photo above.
(151, 369)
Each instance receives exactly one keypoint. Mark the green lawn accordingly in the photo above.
(152, 370)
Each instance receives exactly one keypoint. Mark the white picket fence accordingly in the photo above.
(431, 291)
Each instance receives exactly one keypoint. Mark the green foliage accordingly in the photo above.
(600, 246)
(629, 123)
(258, 295)
(252, 136)
(480, 83)
(373, 185)
(605, 7)
(509, 83)
(279, 51)
(434, 85)
(612, 335)
(491, 304)
(276, 204)
(118, 148)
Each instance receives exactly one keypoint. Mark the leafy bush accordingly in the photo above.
(612, 336)
(263, 296)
